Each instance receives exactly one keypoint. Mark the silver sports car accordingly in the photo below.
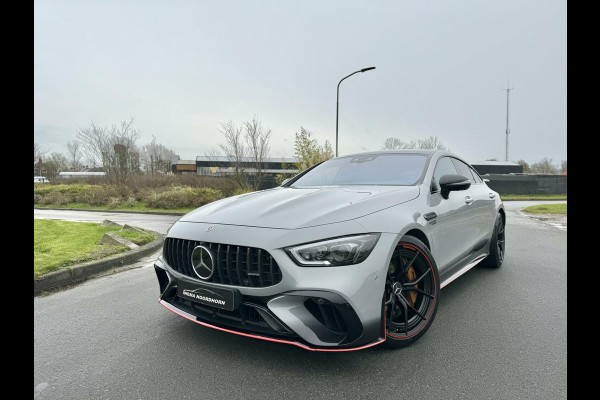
(350, 253)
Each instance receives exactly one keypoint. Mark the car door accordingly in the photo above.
(482, 206)
(451, 233)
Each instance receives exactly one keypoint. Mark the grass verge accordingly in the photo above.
(547, 209)
(58, 244)
(139, 206)
(508, 197)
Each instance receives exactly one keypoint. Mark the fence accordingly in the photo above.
(528, 184)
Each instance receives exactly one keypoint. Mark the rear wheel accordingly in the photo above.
(411, 293)
(497, 246)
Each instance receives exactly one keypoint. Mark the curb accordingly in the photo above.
(80, 272)
(112, 211)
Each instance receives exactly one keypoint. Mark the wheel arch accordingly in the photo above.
(419, 234)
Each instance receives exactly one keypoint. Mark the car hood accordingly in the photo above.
(293, 208)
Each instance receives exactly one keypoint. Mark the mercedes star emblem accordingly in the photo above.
(202, 262)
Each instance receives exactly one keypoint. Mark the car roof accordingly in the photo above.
(409, 151)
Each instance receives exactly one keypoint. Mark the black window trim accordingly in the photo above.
(474, 182)
(431, 191)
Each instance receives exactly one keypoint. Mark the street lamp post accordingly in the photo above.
(337, 109)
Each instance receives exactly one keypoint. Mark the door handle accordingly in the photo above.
(492, 195)
(430, 216)
(468, 199)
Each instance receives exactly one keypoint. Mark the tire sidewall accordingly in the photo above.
(493, 260)
(412, 243)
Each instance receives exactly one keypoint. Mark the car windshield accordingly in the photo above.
(368, 169)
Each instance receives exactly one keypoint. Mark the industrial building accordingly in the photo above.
(221, 165)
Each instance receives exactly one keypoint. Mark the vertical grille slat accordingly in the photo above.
(259, 267)
(218, 266)
(187, 258)
(248, 266)
(180, 260)
(228, 268)
(252, 267)
(238, 267)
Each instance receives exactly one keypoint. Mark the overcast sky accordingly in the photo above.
(181, 67)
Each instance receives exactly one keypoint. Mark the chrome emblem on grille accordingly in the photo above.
(202, 262)
(210, 228)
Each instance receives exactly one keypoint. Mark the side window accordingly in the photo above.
(443, 167)
(464, 170)
(476, 176)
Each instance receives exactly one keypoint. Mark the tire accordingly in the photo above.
(410, 312)
(497, 246)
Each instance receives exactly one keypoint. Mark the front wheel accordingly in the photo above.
(411, 293)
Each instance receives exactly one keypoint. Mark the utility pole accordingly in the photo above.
(508, 89)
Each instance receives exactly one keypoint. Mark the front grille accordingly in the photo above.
(234, 265)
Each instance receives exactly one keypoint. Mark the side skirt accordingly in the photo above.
(464, 269)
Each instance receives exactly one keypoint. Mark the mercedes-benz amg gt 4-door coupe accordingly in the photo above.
(348, 254)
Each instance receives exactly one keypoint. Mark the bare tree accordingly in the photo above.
(156, 157)
(525, 165)
(110, 147)
(544, 166)
(257, 140)
(55, 164)
(74, 155)
(392, 143)
(235, 151)
(38, 152)
(431, 142)
(563, 166)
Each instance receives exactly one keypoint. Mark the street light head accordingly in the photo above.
(367, 69)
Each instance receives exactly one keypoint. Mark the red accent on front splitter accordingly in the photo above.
(174, 309)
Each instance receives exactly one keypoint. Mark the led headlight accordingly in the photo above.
(341, 251)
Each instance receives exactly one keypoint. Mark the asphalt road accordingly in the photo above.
(498, 334)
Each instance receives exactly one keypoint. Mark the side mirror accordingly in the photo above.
(285, 181)
(452, 182)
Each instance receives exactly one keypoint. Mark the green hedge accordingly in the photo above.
(114, 196)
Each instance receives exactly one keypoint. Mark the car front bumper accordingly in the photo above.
(316, 308)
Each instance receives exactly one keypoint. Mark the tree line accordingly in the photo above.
(113, 150)
(246, 147)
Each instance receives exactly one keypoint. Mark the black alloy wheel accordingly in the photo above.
(497, 245)
(411, 292)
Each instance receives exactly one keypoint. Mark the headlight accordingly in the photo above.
(333, 252)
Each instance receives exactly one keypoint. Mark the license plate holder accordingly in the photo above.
(212, 296)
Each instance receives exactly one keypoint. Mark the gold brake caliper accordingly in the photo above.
(411, 276)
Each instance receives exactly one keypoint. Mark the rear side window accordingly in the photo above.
(464, 170)
(443, 167)
(476, 176)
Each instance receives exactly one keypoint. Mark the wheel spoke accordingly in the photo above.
(406, 303)
(409, 289)
(405, 314)
(410, 263)
(413, 283)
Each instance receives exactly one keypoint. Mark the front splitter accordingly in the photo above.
(192, 318)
